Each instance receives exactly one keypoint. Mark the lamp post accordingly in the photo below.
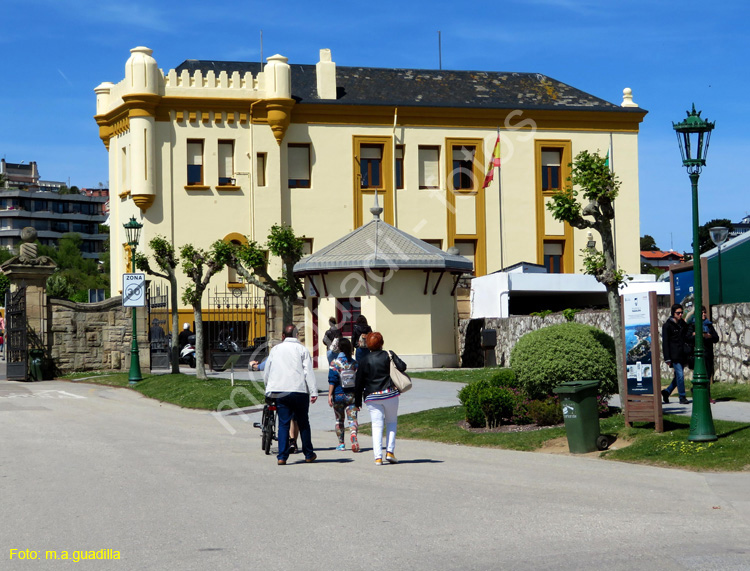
(693, 135)
(719, 235)
(133, 232)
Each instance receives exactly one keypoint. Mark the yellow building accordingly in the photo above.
(224, 150)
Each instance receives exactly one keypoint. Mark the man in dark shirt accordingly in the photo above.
(673, 342)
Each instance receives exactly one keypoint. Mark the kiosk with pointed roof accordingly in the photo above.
(404, 286)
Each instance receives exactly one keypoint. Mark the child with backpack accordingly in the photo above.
(341, 381)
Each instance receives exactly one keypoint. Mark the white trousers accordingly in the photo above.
(383, 412)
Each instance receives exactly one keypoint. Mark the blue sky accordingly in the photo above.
(56, 51)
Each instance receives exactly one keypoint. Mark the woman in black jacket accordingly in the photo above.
(374, 386)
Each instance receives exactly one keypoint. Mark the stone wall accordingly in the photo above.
(732, 322)
(275, 319)
(93, 336)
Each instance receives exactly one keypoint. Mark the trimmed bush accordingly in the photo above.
(496, 404)
(548, 357)
(545, 412)
(505, 378)
(485, 405)
(469, 397)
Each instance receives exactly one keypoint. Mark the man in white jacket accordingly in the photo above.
(290, 379)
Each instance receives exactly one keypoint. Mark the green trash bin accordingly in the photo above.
(580, 411)
(35, 364)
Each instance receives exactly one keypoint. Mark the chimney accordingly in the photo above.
(325, 70)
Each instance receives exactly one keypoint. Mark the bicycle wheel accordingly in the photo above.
(263, 435)
(268, 431)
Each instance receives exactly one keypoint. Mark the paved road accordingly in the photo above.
(84, 467)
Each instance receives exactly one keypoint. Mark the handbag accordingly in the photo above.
(400, 380)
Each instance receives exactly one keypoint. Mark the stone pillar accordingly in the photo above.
(29, 270)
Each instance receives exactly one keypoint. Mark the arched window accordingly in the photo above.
(234, 279)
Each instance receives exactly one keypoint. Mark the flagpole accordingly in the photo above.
(500, 203)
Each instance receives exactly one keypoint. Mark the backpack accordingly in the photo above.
(348, 378)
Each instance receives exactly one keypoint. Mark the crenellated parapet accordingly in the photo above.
(189, 96)
(197, 80)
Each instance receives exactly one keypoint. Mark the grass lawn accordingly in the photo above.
(724, 391)
(183, 390)
(455, 375)
(731, 452)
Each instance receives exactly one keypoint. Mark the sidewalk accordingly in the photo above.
(424, 395)
(722, 410)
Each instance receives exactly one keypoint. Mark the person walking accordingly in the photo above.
(341, 384)
(293, 428)
(674, 346)
(290, 379)
(329, 340)
(710, 337)
(374, 386)
(361, 328)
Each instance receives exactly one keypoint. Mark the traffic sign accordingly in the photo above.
(133, 290)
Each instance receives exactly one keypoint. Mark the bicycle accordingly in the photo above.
(267, 425)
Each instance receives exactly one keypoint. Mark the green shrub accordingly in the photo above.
(547, 357)
(544, 313)
(485, 405)
(496, 404)
(545, 412)
(469, 397)
(505, 378)
(570, 314)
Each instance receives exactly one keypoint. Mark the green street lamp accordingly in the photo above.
(133, 233)
(693, 135)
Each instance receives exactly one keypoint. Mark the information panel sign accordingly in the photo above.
(133, 290)
(637, 322)
(641, 355)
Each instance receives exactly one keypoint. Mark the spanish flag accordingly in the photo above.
(494, 162)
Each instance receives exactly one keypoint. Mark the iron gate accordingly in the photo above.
(160, 322)
(16, 345)
(235, 322)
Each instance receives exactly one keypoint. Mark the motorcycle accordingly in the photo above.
(227, 344)
(187, 354)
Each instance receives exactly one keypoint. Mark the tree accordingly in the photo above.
(648, 243)
(250, 261)
(704, 237)
(81, 274)
(200, 267)
(599, 186)
(5, 255)
(167, 262)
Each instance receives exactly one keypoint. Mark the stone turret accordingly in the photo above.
(143, 83)
(141, 72)
(279, 103)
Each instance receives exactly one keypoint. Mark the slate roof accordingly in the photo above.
(429, 88)
(380, 246)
